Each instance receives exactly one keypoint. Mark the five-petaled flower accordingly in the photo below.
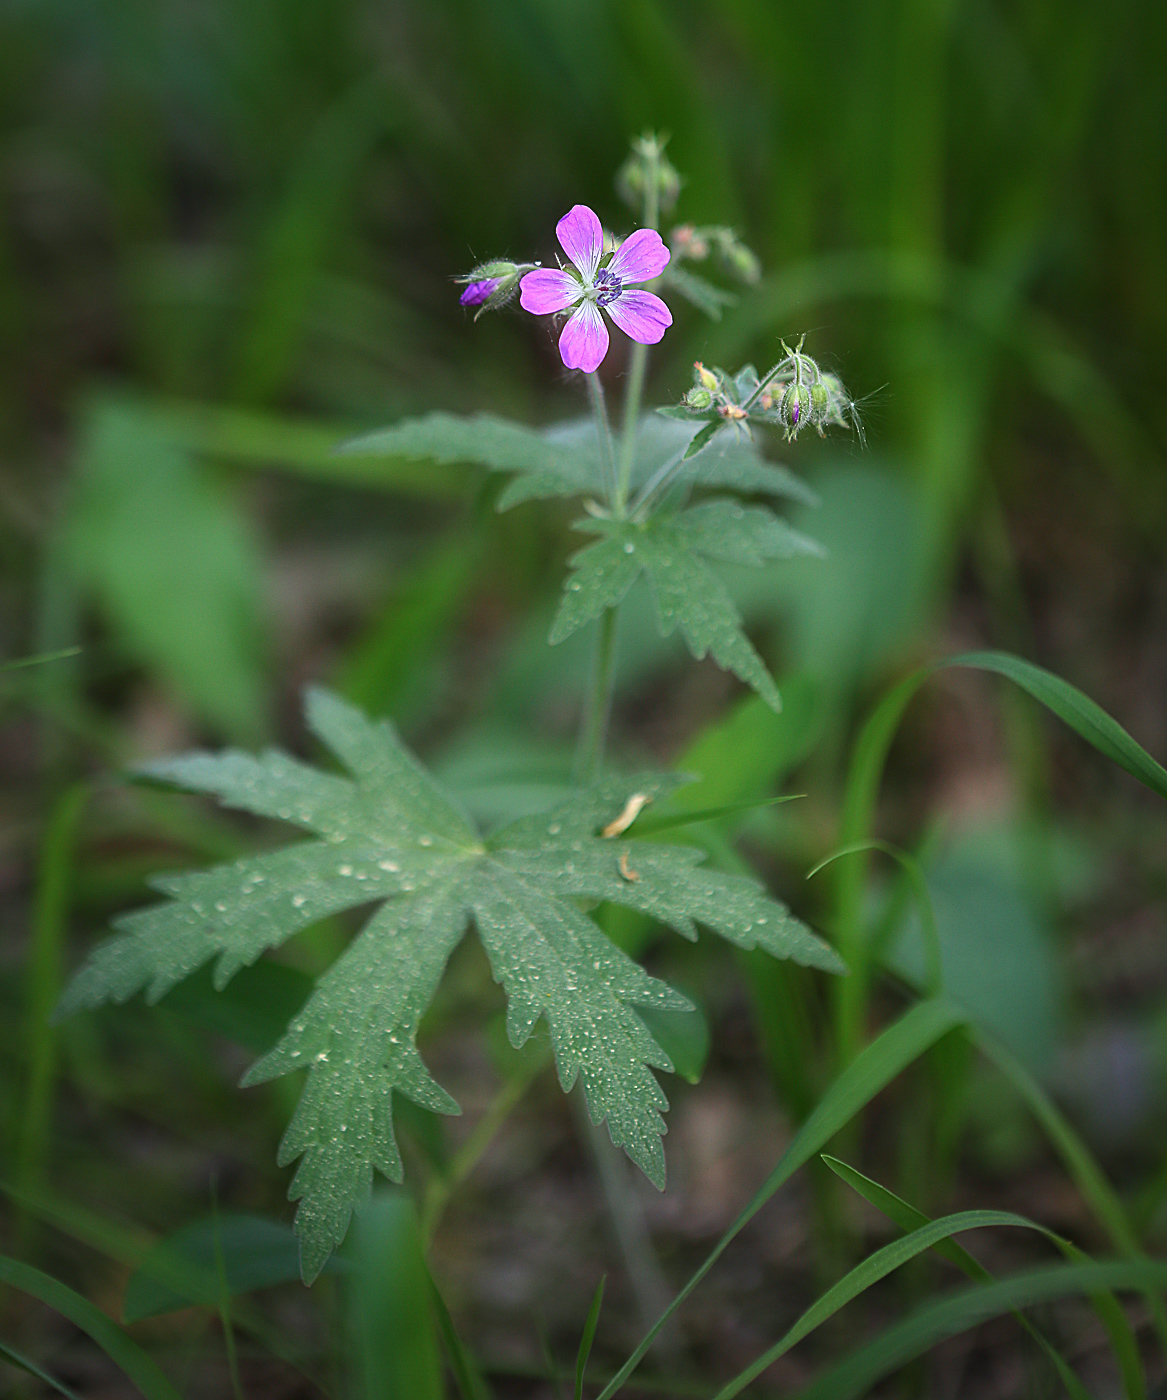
(592, 287)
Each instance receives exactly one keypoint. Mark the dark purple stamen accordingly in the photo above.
(608, 287)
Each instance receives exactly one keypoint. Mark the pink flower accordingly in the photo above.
(590, 288)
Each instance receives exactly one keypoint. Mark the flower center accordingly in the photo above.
(608, 287)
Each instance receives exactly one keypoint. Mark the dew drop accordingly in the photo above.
(345, 870)
(554, 829)
(220, 906)
(629, 548)
(425, 840)
(390, 865)
(299, 900)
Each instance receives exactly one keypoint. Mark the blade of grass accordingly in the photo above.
(879, 1063)
(44, 977)
(390, 1299)
(907, 1217)
(1087, 1175)
(224, 1301)
(648, 826)
(589, 1336)
(934, 978)
(1086, 718)
(467, 1376)
(875, 1267)
(14, 1358)
(42, 659)
(960, 1312)
(119, 1347)
(140, 1250)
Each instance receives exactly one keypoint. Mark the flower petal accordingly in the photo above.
(582, 238)
(641, 257)
(548, 290)
(584, 341)
(642, 315)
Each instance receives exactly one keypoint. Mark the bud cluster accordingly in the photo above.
(697, 244)
(491, 285)
(794, 395)
(648, 171)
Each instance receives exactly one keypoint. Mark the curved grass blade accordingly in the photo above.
(934, 981)
(1076, 710)
(907, 1217)
(649, 826)
(960, 1312)
(875, 1267)
(41, 659)
(889, 1053)
(1087, 1175)
(589, 1336)
(1073, 708)
(155, 1260)
(22, 1363)
(120, 1348)
(468, 1378)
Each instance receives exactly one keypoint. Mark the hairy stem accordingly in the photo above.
(593, 731)
(638, 363)
(603, 435)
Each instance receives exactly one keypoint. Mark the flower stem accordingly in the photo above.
(603, 434)
(638, 363)
(593, 730)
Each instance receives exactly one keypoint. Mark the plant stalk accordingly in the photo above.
(638, 362)
(598, 703)
(603, 435)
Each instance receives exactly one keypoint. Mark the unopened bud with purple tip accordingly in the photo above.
(478, 292)
(492, 284)
(796, 405)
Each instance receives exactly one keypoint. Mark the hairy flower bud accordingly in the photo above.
(687, 242)
(492, 284)
(740, 260)
(698, 398)
(796, 406)
(707, 379)
(646, 164)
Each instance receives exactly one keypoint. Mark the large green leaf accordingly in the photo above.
(672, 550)
(173, 564)
(390, 835)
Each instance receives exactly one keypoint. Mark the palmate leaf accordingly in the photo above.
(387, 833)
(671, 549)
(564, 460)
(546, 463)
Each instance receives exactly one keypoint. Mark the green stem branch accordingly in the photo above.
(638, 362)
(603, 435)
(598, 702)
